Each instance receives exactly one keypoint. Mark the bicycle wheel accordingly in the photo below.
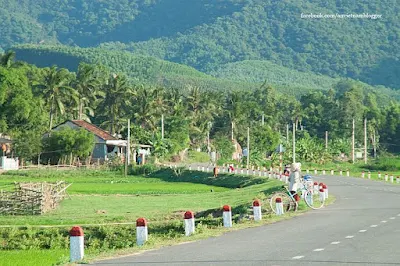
(314, 200)
(288, 203)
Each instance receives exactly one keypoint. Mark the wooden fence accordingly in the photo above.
(32, 198)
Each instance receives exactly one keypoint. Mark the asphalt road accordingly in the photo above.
(361, 228)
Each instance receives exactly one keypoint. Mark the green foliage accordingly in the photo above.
(224, 146)
(68, 141)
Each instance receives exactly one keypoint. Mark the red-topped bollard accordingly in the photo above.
(325, 187)
(141, 231)
(279, 206)
(322, 195)
(257, 210)
(227, 215)
(189, 223)
(76, 244)
(316, 187)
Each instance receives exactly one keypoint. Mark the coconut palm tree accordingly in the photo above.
(118, 97)
(56, 91)
(87, 83)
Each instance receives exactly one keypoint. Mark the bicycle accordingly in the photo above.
(313, 199)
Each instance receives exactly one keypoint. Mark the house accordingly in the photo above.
(106, 145)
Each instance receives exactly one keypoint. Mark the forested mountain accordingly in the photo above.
(245, 75)
(207, 34)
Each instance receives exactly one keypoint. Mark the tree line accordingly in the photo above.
(33, 100)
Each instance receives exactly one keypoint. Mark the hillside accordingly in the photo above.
(245, 75)
(207, 34)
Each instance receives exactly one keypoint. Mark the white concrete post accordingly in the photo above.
(198, 168)
(391, 178)
(332, 172)
(315, 171)
(202, 168)
(207, 170)
(347, 173)
(308, 171)
(247, 171)
(257, 210)
(397, 179)
(279, 206)
(379, 175)
(325, 187)
(321, 194)
(190, 168)
(315, 187)
(323, 172)
(227, 215)
(76, 244)
(189, 223)
(241, 171)
(341, 172)
(141, 231)
(363, 174)
(369, 175)
(386, 177)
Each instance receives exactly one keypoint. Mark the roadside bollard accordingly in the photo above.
(379, 175)
(347, 173)
(190, 168)
(323, 172)
(363, 174)
(321, 195)
(227, 215)
(341, 172)
(391, 178)
(247, 171)
(315, 187)
(257, 210)
(315, 171)
(279, 206)
(189, 223)
(141, 231)
(397, 179)
(325, 187)
(241, 171)
(332, 172)
(202, 168)
(308, 171)
(369, 175)
(198, 168)
(386, 177)
(76, 244)
(269, 174)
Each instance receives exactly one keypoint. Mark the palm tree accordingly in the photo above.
(56, 90)
(87, 83)
(118, 94)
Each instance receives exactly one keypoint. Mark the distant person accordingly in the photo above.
(231, 169)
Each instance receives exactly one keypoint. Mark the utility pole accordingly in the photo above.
(248, 147)
(294, 143)
(162, 126)
(128, 148)
(287, 133)
(326, 140)
(365, 141)
(232, 130)
(352, 143)
(262, 120)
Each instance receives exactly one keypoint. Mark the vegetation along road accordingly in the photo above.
(360, 228)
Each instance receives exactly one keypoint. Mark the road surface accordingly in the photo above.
(361, 228)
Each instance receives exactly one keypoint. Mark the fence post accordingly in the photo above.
(76, 244)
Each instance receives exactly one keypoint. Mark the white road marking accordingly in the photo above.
(297, 257)
(318, 249)
(374, 225)
(362, 231)
(335, 243)
(392, 218)
(383, 221)
(349, 236)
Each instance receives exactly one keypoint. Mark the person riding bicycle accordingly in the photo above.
(295, 180)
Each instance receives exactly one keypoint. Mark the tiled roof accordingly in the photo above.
(95, 130)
